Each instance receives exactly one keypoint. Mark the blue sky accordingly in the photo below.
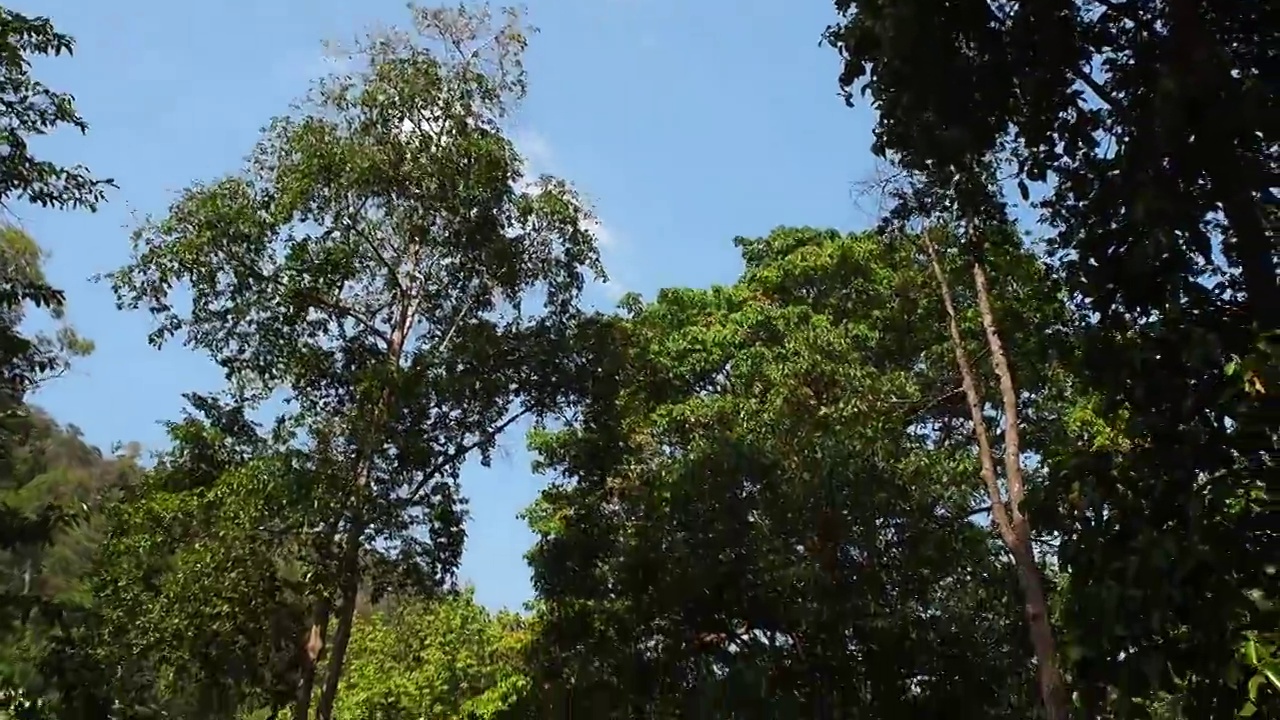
(687, 123)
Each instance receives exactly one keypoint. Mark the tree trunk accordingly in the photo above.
(312, 646)
(1011, 523)
(350, 588)
(1254, 250)
(349, 572)
(1052, 691)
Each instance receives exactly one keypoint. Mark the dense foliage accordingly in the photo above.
(773, 503)
(1151, 129)
(930, 470)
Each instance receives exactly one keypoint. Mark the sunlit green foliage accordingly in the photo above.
(446, 658)
(380, 264)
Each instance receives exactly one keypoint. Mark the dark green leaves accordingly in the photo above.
(29, 108)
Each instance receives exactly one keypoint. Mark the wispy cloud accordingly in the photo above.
(302, 68)
(536, 151)
(540, 159)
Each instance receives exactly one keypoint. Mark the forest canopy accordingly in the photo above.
(928, 469)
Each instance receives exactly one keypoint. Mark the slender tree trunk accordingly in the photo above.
(349, 573)
(349, 589)
(1052, 690)
(349, 569)
(1011, 523)
(312, 647)
(1254, 249)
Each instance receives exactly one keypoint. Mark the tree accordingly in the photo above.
(200, 583)
(381, 265)
(767, 502)
(1151, 129)
(1147, 117)
(51, 484)
(30, 108)
(42, 357)
(27, 108)
(44, 567)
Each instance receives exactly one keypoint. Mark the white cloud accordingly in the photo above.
(604, 236)
(539, 158)
(536, 151)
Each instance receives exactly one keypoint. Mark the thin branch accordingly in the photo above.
(462, 451)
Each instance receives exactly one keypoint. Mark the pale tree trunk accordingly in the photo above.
(1010, 520)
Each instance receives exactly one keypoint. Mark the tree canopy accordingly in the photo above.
(955, 465)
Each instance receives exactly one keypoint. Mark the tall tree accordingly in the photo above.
(1152, 127)
(30, 108)
(1008, 499)
(769, 501)
(381, 264)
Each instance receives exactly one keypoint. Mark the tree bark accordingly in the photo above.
(349, 589)
(1254, 249)
(311, 649)
(1011, 523)
(1052, 691)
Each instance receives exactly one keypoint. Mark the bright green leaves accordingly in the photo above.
(199, 583)
(52, 492)
(1261, 659)
(444, 658)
